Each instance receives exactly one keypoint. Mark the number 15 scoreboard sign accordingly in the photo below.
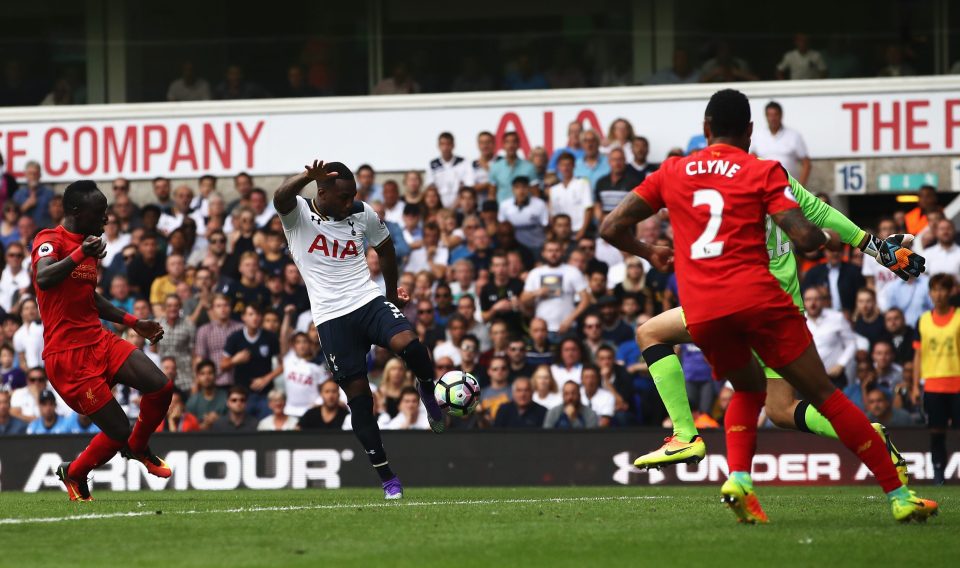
(850, 178)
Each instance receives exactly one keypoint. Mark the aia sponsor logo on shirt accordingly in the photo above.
(333, 248)
(85, 272)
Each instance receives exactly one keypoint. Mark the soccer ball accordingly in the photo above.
(457, 393)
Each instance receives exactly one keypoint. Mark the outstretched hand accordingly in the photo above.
(149, 329)
(893, 254)
(401, 299)
(318, 172)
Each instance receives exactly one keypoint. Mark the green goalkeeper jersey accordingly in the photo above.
(783, 263)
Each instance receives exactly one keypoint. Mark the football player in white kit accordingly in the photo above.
(326, 238)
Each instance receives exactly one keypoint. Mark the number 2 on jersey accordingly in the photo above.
(705, 246)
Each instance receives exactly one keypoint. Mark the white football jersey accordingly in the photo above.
(301, 381)
(331, 256)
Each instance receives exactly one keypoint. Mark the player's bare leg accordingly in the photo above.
(808, 376)
(156, 390)
(364, 421)
(114, 430)
(407, 345)
(657, 338)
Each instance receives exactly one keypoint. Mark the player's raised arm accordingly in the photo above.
(804, 234)
(619, 228)
(285, 198)
(51, 271)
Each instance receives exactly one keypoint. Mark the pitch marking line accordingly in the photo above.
(98, 516)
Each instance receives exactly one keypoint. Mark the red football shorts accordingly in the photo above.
(778, 334)
(84, 376)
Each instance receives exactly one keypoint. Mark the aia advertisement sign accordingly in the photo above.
(288, 460)
(400, 133)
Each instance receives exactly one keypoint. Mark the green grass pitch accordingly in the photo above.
(488, 527)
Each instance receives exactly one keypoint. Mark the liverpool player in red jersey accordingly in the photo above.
(718, 199)
(84, 360)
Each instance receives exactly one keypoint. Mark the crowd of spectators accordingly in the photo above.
(562, 67)
(507, 279)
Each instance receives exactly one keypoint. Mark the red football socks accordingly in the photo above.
(99, 452)
(153, 409)
(740, 424)
(856, 433)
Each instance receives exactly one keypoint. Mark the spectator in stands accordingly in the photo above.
(777, 142)
(428, 329)
(463, 282)
(28, 340)
(162, 192)
(867, 318)
(15, 280)
(188, 87)
(301, 375)
(487, 147)
(166, 285)
(889, 374)
(523, 75)
(367, 187)
(128, 214)
(601, 401)
(9, 424)
(248, 290)
(613, 187)
(235, 86)
(725, 67)
(277, 421)
(573, 147)
(879, 409)
(9, 232)
(49, 422)
(546, 393)
(916, 218)
(115, 238)
(412, 415)
(592, 335)
(539, 159)
(614, 330)
(840, 278)
(400, 82)
(592, 165)
(526, 213)
(467, 308)
(211, 338)
(521, 412)
(503, 172)
(944, 256)
(208, 403)
(832, 335)
(568, 364)
(329, 414)
(296, 85)
(517, 359)
(8, 183)
(179, 335)
(148, 265)
(456, 330)
(243, 185)
(895, 65)
(500, 297)
(639, 166)
(571, 413)
(26, 229)
(679, 73)
(12, 377)
(615, 378)
(448, 173)
(250, 352)
(237, 420)
(471, 77)
(498, 391)
(911, 297)
(878, 276)
(801, 62)
(179, 210)
(178, 418)
(34, 197)
(392, 204)
(551, 290)
(572, 195)
(619, 135)
(539, 350)
(25, 401)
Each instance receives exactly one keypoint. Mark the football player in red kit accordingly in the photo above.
(84, 360)
(718, 199)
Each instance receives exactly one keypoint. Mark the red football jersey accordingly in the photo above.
(68, 311)
(718, 199)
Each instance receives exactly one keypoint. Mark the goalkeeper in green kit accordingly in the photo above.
(658, 336)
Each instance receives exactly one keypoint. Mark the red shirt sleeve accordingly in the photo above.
(777, 194)
(46, 245)
(649, 190)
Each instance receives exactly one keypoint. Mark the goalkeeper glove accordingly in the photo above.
(893, 254)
